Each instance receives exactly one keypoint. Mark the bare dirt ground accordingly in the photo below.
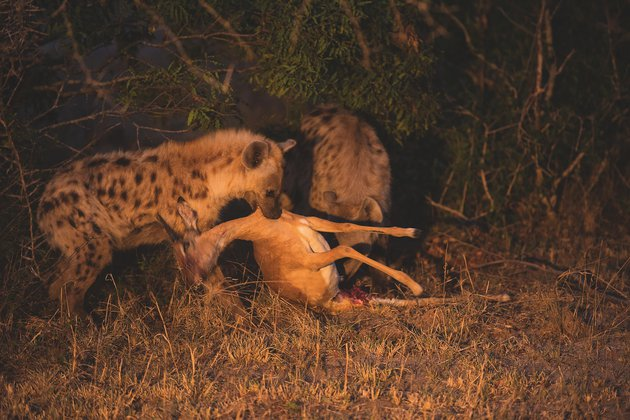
(560, 348)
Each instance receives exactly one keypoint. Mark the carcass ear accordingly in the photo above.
(285, 202)
(330, 197)
(255, 153)
(188, 214)
(287, 145)
(171, 233)
(372, 210)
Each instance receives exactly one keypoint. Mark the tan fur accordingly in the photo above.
(110, 201)
(341, 169)
(295, 259)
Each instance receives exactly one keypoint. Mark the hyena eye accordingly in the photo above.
(270, 193)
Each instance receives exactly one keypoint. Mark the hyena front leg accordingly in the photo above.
(77, 272)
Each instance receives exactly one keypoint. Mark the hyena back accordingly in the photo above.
(348, 175)
(111, 201)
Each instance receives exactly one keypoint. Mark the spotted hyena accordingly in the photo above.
(341, 169)
(111, 201)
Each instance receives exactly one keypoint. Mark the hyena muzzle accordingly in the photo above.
(111, 201)
(341, 169)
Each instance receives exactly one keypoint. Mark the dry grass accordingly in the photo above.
(164, 351)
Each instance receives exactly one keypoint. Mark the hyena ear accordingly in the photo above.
(188, 214)
(330, 197)
(372, 210)
(287, 145)
(255, 153)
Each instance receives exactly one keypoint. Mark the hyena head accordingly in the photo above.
(263, 162)
(368, 210)
(194, 264)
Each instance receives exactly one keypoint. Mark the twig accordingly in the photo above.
(462, 202)
(89, 80)
(568, 170)
(79, 119)
(403, 36)
(551, 55)
(25, 194)
(448, 210)
(484, 183)
(539, 65)
(513, 22)
(562, 273)
(447, 184)
(297, 27)
(249, 53)
(183, 55)
(467, 38)
(482, 173)
(365, 62)
(613, 58)
(541, 267)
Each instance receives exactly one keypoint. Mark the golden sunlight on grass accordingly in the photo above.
(551, 352)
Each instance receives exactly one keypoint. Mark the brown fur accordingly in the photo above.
(340, 169)
(110, 201)
(295, 259)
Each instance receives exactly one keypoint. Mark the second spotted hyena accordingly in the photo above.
(341, 168)
(111, 201)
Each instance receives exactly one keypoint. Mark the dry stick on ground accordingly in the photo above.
(562, 273)
(435, 301)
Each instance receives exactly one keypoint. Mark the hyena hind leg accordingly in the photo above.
(76, 273)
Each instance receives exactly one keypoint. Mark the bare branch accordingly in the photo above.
(539, 64)
(458, 214)
(484, 183)
(201, 74)
(297, 27)
(403, 36)
(249, 53)
(25, 193)
(76, 54)
(366, 61)
(475, 52)
(613, 57)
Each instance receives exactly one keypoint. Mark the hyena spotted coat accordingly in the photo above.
(340, 168)
(111, 201)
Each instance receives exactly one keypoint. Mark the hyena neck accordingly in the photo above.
(221, 194)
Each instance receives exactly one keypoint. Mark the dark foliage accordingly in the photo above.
(499, 111)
